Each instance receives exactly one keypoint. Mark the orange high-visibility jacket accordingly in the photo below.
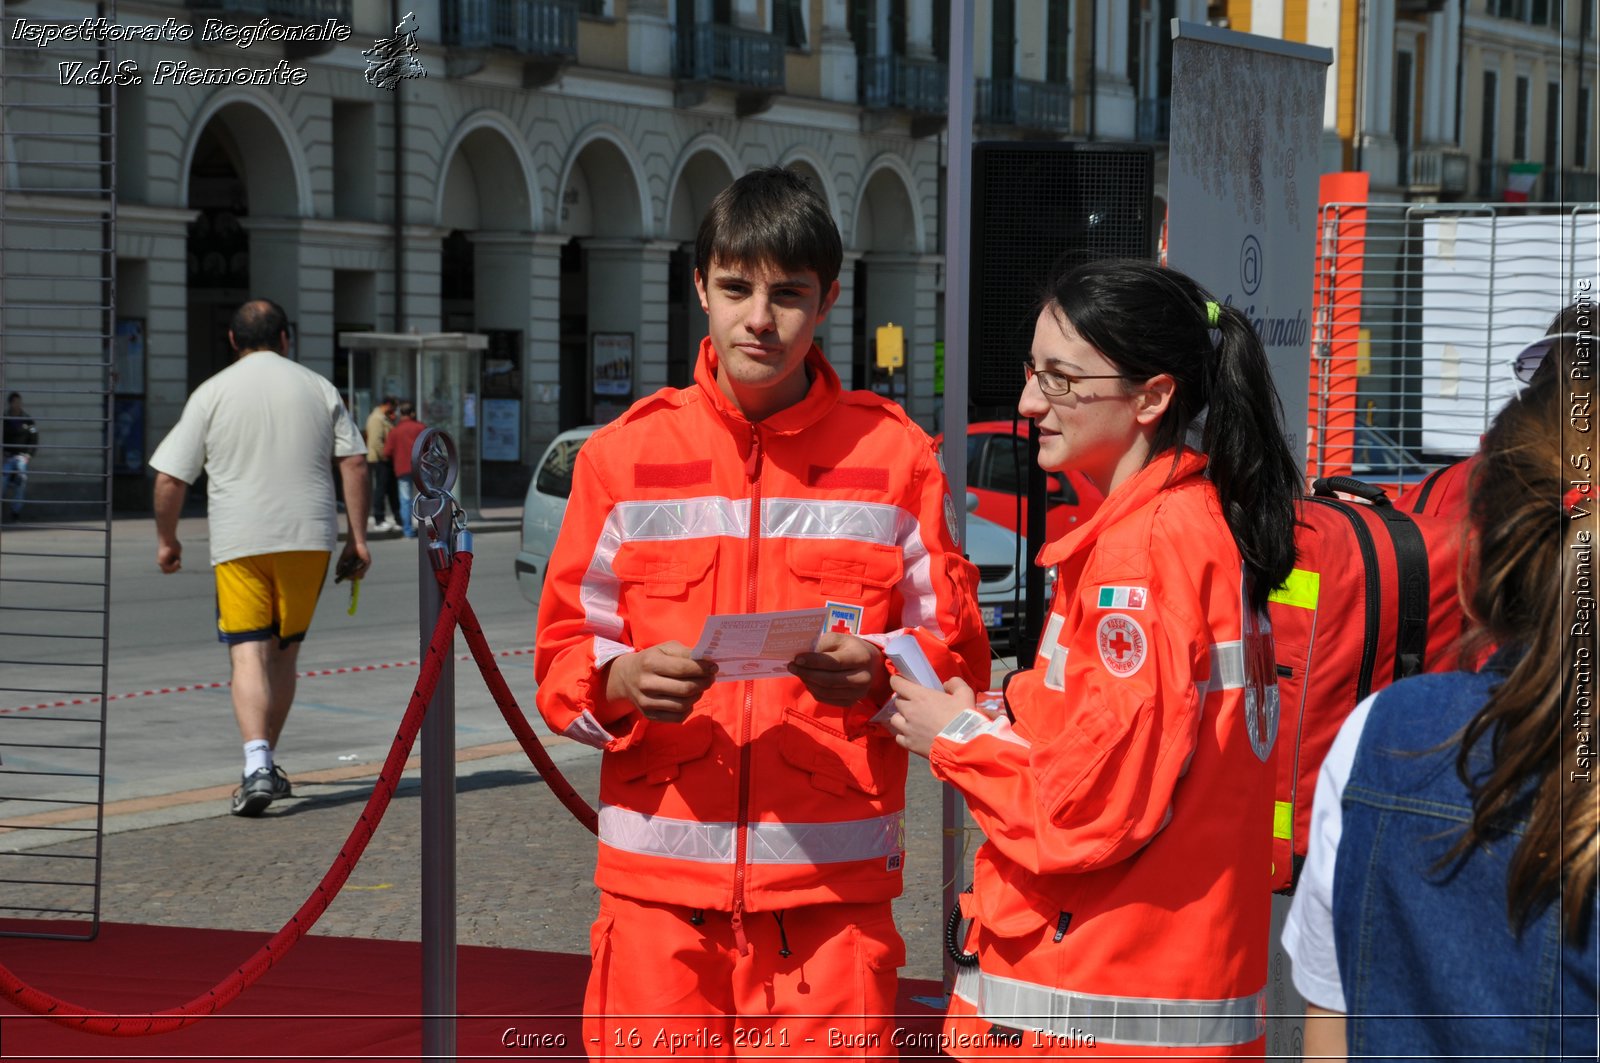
(1128, 809)
(763, 799)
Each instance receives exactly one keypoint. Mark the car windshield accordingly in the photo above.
(555, 475)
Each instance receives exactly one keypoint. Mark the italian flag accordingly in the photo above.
(1519, 181)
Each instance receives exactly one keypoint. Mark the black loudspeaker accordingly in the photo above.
(1035, 205)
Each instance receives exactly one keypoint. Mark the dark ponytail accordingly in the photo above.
(1150, 320)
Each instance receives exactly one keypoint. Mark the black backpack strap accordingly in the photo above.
(1411, 570)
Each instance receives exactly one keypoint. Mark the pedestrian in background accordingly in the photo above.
(21, 437)
(1448, 907)
(268, 433)
(397, 450)
(379, 423)
(1120, 904)
(751, 831)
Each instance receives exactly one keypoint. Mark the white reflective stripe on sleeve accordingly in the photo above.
(966, 726)
(588, 730)
(1227, 667)
(971, 723)
(867, 522)
(1051, 638)
(768, 843)
(606, 651)
(684, 518)
(1149, 1021)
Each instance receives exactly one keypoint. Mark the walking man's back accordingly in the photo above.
(267, 432)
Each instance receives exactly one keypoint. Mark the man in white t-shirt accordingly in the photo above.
(268, 433)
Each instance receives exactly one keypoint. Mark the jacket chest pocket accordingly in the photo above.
(667, 588)
(858, 573)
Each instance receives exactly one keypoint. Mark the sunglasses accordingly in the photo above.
(1527, 362)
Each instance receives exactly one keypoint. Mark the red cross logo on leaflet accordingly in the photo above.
(1122, 644)
(1260, 683)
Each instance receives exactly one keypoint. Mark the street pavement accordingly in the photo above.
(173, 856)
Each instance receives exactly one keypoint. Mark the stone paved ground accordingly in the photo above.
(524, 864)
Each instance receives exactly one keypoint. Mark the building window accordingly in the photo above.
(1519, 127)
(1491, 103)
(1058, 53)
(1003, 54)
(789, 22)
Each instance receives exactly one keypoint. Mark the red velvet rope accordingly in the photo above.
(77, 1017)
(501, 692)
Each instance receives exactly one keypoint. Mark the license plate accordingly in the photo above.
(991, 615)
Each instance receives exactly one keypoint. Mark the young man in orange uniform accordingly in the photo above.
(751, 831)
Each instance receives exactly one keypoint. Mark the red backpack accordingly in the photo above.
(1443, 493)
(1372, 599)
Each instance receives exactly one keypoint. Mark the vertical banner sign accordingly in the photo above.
(1242, 188)
(1336, 358)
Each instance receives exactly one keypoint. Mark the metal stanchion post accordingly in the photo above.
(433, 471)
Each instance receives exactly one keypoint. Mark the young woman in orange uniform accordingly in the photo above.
(1120, 902)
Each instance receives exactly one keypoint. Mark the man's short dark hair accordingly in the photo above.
(407, 410)
(259, 325)
(770, 216)
(388, 400)
(15, 396)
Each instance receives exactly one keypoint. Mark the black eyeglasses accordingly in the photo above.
(1058, 384)
(1532, 356)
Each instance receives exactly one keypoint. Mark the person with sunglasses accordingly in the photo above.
(1444, 491)
(1120, 902)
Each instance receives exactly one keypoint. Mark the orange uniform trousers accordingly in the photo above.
(670, 981)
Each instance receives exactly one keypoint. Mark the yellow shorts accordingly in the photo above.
(269, 596)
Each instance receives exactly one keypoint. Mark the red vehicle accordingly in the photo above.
(997, 472)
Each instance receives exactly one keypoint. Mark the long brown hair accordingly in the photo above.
(1534, 558)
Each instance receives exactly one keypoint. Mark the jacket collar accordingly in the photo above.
(820, 397)
(1132, 494)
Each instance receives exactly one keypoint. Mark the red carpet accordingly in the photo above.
(330, 998)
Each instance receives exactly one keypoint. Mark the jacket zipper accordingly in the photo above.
(752, 472)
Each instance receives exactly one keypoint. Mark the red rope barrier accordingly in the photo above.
(507, 703)
(77, 1017)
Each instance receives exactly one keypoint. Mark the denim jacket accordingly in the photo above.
(1427, 958)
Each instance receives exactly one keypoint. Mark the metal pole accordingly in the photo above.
(957, 284)
(434, 543)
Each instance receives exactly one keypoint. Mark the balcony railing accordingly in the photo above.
(1434, 170)
(728, 54)
(527, 27)
(920, 85)
(1153, 119)
(1031, 104)
(287, 12)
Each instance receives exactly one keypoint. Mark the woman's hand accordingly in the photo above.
(920, 714)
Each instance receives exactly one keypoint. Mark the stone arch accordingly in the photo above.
(887, 218)
(278, 180)
(806, 161)
(601, 168)
(706, 166)
(486, 179)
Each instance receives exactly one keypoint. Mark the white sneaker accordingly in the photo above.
(387, 526)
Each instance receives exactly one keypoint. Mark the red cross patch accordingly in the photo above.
(1122, 644)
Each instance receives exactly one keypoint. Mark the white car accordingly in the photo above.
(991, 547)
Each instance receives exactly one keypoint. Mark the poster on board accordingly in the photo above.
(1243, 185)
(502, 420)
(612, 361)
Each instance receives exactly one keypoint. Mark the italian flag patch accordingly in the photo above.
(1122, 597)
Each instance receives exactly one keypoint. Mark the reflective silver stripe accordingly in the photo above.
(867, 522)
(1053, 654)
(1227, 667)
(971, 723)
(1114, 1020)
(606, 651)
(768, 843)
(810, 518)
(627, 522)
(781, 518)
(589, 730)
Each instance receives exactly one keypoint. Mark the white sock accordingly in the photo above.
(257, 755)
